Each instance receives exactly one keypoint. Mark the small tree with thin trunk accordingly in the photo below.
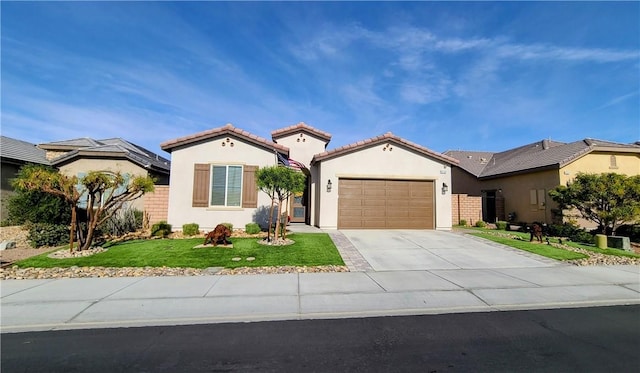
(279, 183)
(608, 200)
(104, 192)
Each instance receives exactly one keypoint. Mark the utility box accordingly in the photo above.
(619, 242)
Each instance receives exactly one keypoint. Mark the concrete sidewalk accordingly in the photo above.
(29, 305)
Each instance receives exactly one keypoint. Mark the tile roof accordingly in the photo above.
(21, 151)
(228, 129)
(538, 155)
(387, 137)
(326, 136)
(114, 147)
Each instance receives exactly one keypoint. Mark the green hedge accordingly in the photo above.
(191, 229)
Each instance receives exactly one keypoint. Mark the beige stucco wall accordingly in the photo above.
(374, 162)
(122, 165)
(302, 146)
(465, 183)
(597, 162)
(181, 183)
(516, 191)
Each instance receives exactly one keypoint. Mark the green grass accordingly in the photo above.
(310, 249)
(540, 249)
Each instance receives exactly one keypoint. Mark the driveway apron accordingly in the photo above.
(398, 250)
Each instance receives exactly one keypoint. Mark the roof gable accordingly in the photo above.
(228, 129)
(387, 137)
(300, 127)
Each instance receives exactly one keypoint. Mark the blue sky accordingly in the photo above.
(446, 75)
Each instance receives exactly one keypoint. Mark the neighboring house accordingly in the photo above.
(519, 180)
(13, 155)
(78, 156)
(382, 182)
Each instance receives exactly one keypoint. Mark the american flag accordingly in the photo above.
(293, 164)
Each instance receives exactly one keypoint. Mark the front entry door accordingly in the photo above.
(298, 210)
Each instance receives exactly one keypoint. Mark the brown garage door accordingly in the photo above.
(374, 204)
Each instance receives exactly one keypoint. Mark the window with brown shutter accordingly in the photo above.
(202, 186)
(201, 177)
(249, 187)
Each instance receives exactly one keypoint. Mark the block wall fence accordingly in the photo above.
(156, 204)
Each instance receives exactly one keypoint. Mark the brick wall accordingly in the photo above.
(466, 207)
(156, 204)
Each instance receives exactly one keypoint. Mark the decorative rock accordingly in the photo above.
(236, 259)
(251, 259)
(16, 273)
(7, 244)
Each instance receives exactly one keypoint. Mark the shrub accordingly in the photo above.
(123, 222)
(631, 231)
(190, 229)
(582, 237)
(228, 225)
(480, 224)
(161, 229)
(570, 230)
(502, 225)
(463, 222)
(45, 234)
(37, 207)
(252, 228)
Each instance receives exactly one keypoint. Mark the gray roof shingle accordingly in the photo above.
(538, 155)
(107, 148)
(21, 151)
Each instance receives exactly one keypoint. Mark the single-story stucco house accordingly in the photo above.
(78, 156)
(381, 182)
(517, 181)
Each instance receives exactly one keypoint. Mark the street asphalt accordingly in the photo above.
(405, 273)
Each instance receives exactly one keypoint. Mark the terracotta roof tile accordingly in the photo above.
(300, 127)
(345, 149)
(227, 129)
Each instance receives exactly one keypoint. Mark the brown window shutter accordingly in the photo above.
(249, 187)
(201, 180)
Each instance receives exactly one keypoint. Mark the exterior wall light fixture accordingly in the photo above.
(329, 185)
(445, 188)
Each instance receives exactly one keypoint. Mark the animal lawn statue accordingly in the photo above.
(536, 231)
(219, 234)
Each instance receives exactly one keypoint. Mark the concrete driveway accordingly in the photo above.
(396, 250)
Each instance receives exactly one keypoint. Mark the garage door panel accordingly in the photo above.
(398, 203)
(374, 193)
(379, 204)
(349, 203)
(374, 213)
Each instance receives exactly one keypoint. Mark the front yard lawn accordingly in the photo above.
(539, 248)
(309, 249)
(544, 249)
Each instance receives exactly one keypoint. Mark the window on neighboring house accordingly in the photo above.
(613, 163)
(226, 186)
(82, 202)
